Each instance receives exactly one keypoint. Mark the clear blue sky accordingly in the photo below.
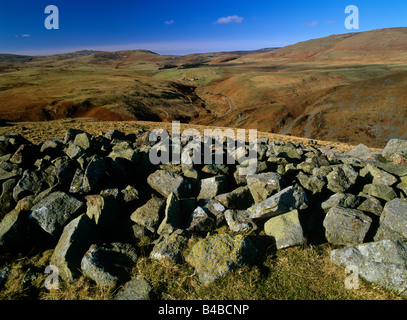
(179, 27)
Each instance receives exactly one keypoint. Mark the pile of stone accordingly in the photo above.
(96, 199)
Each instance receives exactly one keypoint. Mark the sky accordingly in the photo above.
(182, 27)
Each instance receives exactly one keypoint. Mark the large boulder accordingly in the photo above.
(344, 226)
(32, 182)
(75, 240)
(291, 198)
(286, 230)
(240, 198)
(214, 256)
(341, 178)
(53, 212)
(380, 191)
(377, 176)
(109, 265)
(240, 221)
(393, 221)
(211, 187)
(13, 232)
(383, 262)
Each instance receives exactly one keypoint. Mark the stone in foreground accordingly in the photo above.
(216, 255)
(383, 262)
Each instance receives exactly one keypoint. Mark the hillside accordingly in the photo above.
(346, 88)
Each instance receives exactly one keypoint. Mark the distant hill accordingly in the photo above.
(347, 88)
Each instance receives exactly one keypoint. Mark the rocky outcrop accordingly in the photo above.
(97, 199)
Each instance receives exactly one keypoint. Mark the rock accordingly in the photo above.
(6, 198)
(216, 169)
(286, 200)
(240, 198)
(52, 148)
(77, 182)
(32, 182)
(75, 240)
(103, 210)
(130, 194)
(109, 265)
(380, 191)
(150, 214)
(263, 185)
(214, 256)
(83, 140)
(166, 182)
(239, 221)
(136, 289)
(341, 178)
(360, 151)
(74, 151)
(94, 174)
(403, 185)
(70, 135)
(393, 221)
(201, 220)
(394, 146)
(4, 273)
(171, 221)
(6, 175)
(286, 230)
(370, 204)
(170, 246)
(65, 172)
(400, 158)
(217, 210)
(345, 200)
(288, 152)
(383, 262)
(13, 232)
(394, 169)
(25, 155)
(344, 226)
(315, 184)
(54, 211)
(124, 151)
(211, 187)
(115, 134)
(378, 176)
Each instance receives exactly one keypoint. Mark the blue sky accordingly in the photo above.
(180, 27)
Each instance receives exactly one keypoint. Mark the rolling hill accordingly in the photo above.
(348, 88)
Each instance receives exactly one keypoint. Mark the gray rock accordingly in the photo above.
(393, 221)
(263, 185)
(136, 289)
(74, 151)
(312, 183)
(239, 221)
(286, 200)
(383, 263)
(75, 240)
(172, 220)
(402, 186)
(211, 187)
(370, 204)
(166, 182)
(13, 231)
(378, 176)
(345, 200)
(345, 226)
(288, 152)
(341, 178)
(109, 265)
(94, 174)
(286, 230)
(214, 256)
(25, 155)
(77, 182)
(70, 135)
(124, 151)
(83, 140)
(150, 214)
(380, 191)
(201, 220)
(54, 211)
(6, 198)
(240, 198)
(170, 246)
(217, 210)
(394, 146)
(130, 194)
(360, 151)
(32, 182)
